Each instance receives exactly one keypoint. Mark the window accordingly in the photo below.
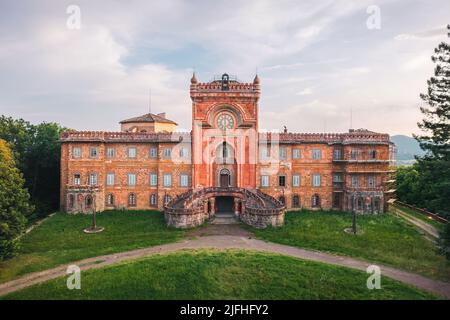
(132, 152)
(71, 201)
(371, 181)
(167, 199)
(184, 180)
(296, 180)
(264, 181)
(110, 152)
(153, 200)
(76, 152)
(317, 154)
(265, 153)
(131, 179)
(88, 202)
(355, 181)
(226, 151)
(337, 154)
(354, 154)
(110, 179)
(282, 153)
(295, 201)
(315, 201)
(372, 154)
(110, 200)
(282, 200)
(92, 179)
(296, 154)
(153, 179)
(167, 180)
(153, 152)
(77, 179)
(359, 203)
(337, 177)
(184, 152)
(282, 181)
(316, 180)
(93, 152)
(167, 153)
(132, 201)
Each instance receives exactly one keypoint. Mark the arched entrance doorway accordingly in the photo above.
(225, 178)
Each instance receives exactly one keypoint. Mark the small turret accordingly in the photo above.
(194, 79)
(256, 80)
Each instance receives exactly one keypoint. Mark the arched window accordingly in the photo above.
(153, 200)
(282, 199)
(295, 201)
(132, 200)
(224, 150)
(88, 201)
(110, 200)
(167, 199)
(359, 203)
(315, 201)
(71, 201)
(377, 204)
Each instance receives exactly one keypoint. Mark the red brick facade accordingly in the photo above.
(348, 171)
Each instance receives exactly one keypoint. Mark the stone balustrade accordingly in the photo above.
(258, 210)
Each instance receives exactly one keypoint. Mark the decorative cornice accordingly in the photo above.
(104, 136)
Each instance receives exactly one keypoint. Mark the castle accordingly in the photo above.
(224, 165)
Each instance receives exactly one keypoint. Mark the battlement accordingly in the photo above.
(104, 136)
(225, 85)
(355, 137)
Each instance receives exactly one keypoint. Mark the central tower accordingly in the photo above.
(224, 132)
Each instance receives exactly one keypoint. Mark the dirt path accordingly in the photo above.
(222, 242)
(428, 228)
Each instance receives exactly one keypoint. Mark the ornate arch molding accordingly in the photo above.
(234, 109)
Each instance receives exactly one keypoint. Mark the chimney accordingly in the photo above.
(162, 115)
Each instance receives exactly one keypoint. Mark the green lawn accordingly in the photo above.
(61, 239)
(209, 274)
(386, 239)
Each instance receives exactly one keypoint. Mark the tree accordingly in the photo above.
(408, 190)
(37, 151)
(436, 123)
(14, 205)
(445, 240)
(433, 180)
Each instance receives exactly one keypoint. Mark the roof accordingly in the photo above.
(149, 117)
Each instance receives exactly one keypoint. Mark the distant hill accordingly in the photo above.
(407, 147)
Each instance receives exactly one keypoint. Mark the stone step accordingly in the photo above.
(224, 219)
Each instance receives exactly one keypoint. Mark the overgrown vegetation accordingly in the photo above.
(233, 274)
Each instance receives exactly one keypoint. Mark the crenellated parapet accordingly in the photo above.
(104, 136)
(225, 85)
(329, 138)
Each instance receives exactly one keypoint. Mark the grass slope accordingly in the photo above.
(233, 274)
(61, 239)
(386, 239)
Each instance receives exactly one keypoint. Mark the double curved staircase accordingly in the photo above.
(254, 208)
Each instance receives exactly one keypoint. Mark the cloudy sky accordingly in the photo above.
(317, 60)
